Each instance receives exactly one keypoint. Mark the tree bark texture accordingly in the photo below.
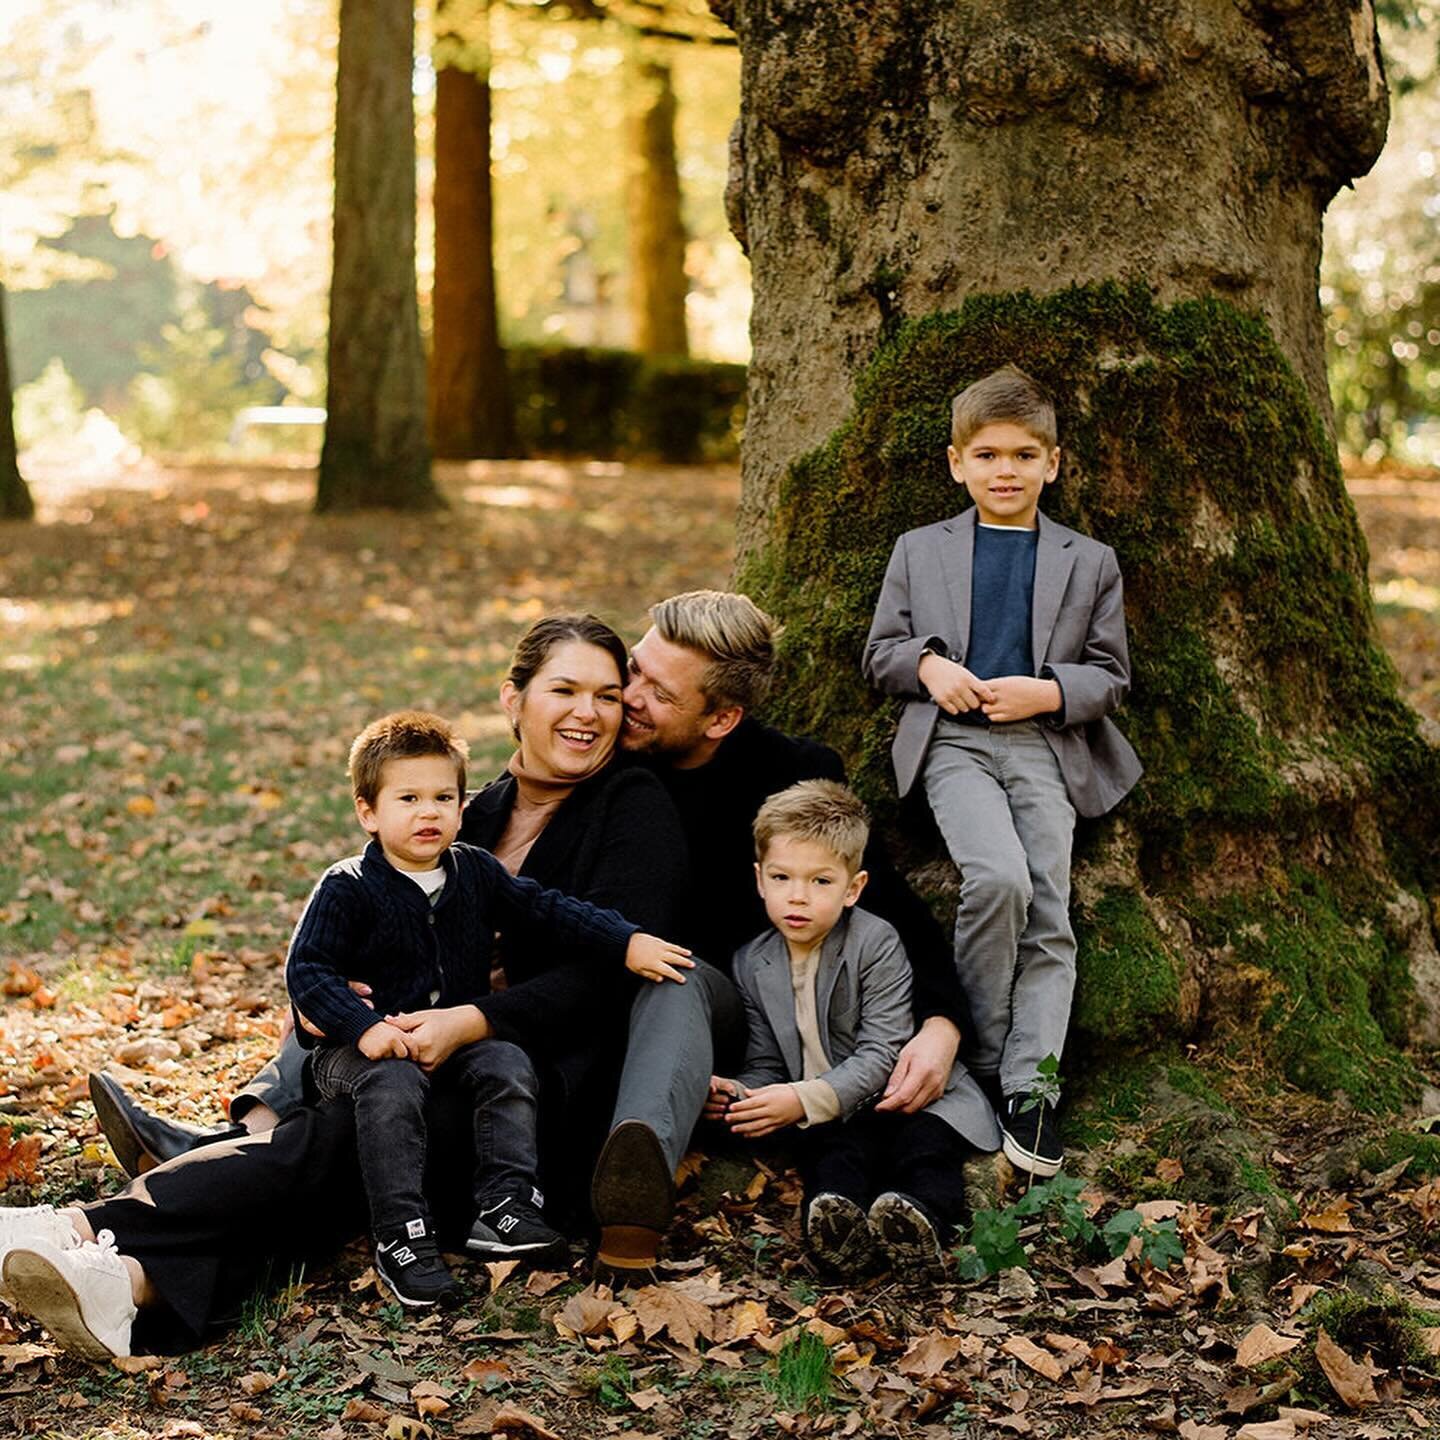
(15, 501)
(471, 410)
(1125, 199)
(658, 284)
(375, 451)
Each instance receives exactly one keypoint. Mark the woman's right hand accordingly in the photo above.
(654, 959)
(433, 1036)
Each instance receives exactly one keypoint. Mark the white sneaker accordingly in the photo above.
(81, 1296)
(20, 1224)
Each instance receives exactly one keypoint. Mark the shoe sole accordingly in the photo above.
(44, 1294)
(906, 1237)
(541, 1250)
(115, 1123)
(839, 1237)
(411, 1302)
(633, 1187)
(1022, 1159)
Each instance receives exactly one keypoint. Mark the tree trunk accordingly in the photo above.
(658, 284)
(471, 411)
(1126, 201)
(375, 451)
(15, 501)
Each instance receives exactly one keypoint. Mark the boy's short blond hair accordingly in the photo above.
(403, 735)
(1004, 395)
(823, 811)
(734, 635)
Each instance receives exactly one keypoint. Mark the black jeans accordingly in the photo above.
(391, 1098)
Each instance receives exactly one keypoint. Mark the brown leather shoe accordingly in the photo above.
(633, 1197)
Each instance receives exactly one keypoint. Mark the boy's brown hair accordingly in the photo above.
(824, 811)
(732, 632)
(1004, 395)
(403, 735)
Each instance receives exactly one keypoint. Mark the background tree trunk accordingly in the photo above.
(15, 501)
(375, 451)
(658, 284)
(471, 410)
(1126, 201)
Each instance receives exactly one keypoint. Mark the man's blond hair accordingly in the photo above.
(1007, 395)
(736, 637)
(823, 811)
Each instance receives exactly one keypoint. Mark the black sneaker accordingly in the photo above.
(907, 1234)
(408, 1261)
(839, 1234)
(511, 1229)
(1031, 1136)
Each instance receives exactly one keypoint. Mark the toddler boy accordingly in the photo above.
(414, 917)
(1005, 634)
(827, 1002)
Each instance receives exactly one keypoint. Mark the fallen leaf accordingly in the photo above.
(1169, 1170)
(1267, 1430)
(929, 1355)
(1160, 1209)
(500, 1272)
(19, 1159)
(140, 805)
(1302, 1419)
(1353, 1382)
(587, 1313)
(137, 1364)
(1031, 1355)
(748, 1318)
(540, 1283)
(482, 1369)
(1262, 1344)
(1334, 1219)
(646, 1399)
(406, 1427)
(510, 1419)
(244, 1410)
(429, 1405)
(366, 1411)
(21, 980)
(667, 1307)
(1192, 1430)
(257, 1382)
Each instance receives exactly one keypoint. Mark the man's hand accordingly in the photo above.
(723, 1094)
(654, 959)
(358, 986)
(923, 1069)
(763, 1111)
(382, 1041)
(433, 1036)
(953, 688)
(1019, 697)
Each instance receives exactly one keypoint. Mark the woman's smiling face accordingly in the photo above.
(568, 716)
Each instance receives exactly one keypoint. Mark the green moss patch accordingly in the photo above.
(1385, 1325)
(1422, 1151)
(1129, 989)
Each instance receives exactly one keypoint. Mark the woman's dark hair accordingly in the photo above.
(535, 645)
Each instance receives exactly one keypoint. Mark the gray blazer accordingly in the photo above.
(862, 1002)
(1077, 635)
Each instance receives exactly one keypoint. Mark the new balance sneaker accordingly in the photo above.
(408, 1261)
(839, 1234)
(907, 1234)
(20, 1224)
(512, 1229)
(81, 1295)
(1031, 1138)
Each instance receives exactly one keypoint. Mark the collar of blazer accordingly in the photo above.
(1054, 557)
(777, 995)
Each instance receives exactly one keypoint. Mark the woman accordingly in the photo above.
(181, 1247)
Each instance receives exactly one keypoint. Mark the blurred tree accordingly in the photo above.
(375, 451)
(471, 412)
(15, 501)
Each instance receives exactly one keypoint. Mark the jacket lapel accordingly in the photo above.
(777, 999)
(1054, 559)
(833, 959)
(958, 562)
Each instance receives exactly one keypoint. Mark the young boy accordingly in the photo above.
(1005, 634)
(827, 1002)
(414, 917)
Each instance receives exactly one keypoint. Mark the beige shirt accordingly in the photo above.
(816, 1096)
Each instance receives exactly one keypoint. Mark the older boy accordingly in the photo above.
(826, 991)
(1005, 634)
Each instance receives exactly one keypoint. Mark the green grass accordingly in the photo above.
(804, 1373)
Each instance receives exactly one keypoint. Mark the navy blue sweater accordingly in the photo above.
(367, 921)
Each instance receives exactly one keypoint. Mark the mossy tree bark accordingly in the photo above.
(656, 228)
(375, 451)
(1126, 201)
(15, 501)
(471, 410)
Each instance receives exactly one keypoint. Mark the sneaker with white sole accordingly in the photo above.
(19, 1224)
(408, 1261)
(82, 1296)
(1030, 1134)
(511, 1229)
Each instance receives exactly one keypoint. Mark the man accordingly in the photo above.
(695, 675)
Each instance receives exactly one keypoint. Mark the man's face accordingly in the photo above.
(665, 710)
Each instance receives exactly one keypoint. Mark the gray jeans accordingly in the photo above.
(1000, 802)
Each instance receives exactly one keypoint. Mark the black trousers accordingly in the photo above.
(872, 1152)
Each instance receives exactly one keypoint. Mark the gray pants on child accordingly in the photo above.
(1000, 802)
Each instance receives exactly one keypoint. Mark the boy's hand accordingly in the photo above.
(1019, 697)
(723, 1094)
(433, 1036)
(953, 688)
(763, 1111)
(654, 959)
(310, 1028)
(383, 1042)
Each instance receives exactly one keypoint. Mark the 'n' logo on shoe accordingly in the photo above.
(507, 1223)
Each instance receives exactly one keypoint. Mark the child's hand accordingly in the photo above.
(383, 1042)
(763, 1111)
(953, 688)
(723, 1094)
(654, 959)
(1018, 697)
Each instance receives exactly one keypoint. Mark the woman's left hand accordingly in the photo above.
(435, 1035)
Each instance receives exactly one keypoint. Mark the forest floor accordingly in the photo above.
(184, 655)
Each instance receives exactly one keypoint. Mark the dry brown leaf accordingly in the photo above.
(23, 1354)
(511, 1420)
(646, 1399)
(730, 1359)
(1169, 1170)
(137, 1364)
(20, 1160)
(1300, 1296)
(429, 1405)
(1154, 1210)
(482, 1369)
(667, 1307)
(1302, 1419)
(1031, 1355)
(748, 1318)
(366, 1411)
(21, 980)
(257, 1382)
(929, 1355)
(540, 1283)
(832, 1335)
(587, 1313)
(406, 1427)
(1430, 1338)
(500, 1271)
(1353, 1382)
(1261, 1344)
(140, 805)
(622, 1324)
(1193, 1430)
(691, 1164)
(1334, 1219)
(1267, 1430)
(244, 1411)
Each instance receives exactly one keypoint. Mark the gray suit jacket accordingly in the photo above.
(1077, 635)
(862, 1001)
